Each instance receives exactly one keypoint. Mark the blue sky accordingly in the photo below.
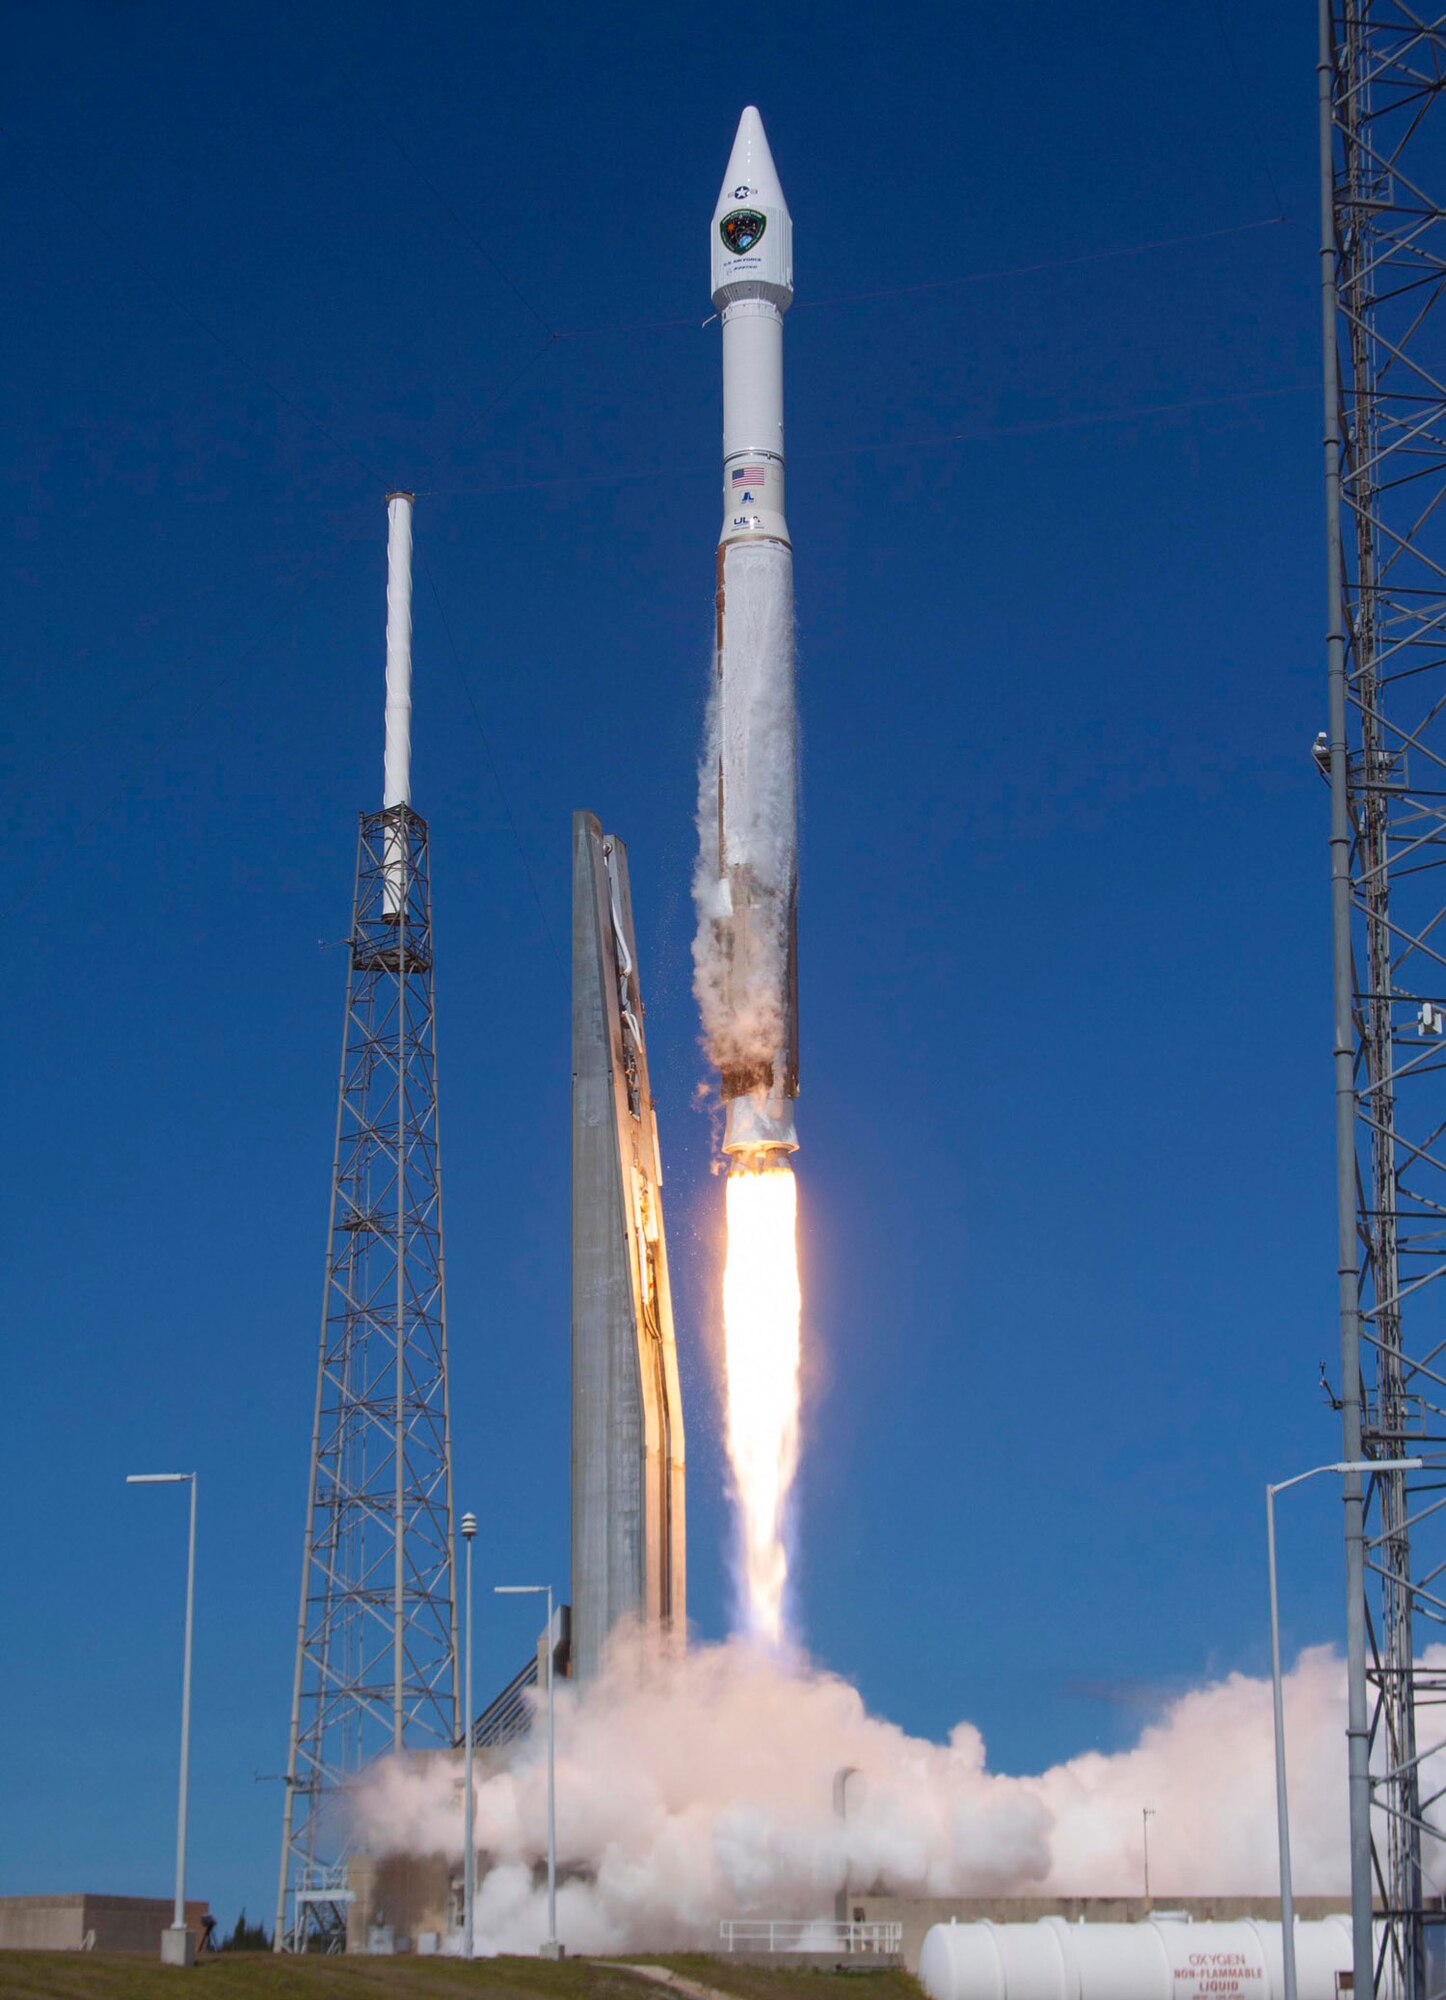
(1067, 1180)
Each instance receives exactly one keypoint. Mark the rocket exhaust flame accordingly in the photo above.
(761, 1313)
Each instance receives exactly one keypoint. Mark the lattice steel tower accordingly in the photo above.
(1383, 258)
(376, 1650)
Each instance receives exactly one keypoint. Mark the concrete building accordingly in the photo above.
(628, 1561)
(92, 1923)
(403, 1902)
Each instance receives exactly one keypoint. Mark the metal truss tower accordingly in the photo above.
(376, 1652)
(1382, 74)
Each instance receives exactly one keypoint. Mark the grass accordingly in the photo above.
(766, 1982)
(70, 1975)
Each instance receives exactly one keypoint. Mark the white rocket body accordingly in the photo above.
(397, 762)
(752, 289)
(753, 1029)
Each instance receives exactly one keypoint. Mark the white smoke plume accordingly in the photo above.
(750, 758)
(703, 1788)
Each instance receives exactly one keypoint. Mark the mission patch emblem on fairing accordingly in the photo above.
(742, 229)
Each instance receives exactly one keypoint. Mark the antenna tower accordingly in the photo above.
(376, 1649)
(1382, 74)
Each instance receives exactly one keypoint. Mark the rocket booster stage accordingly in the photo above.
(747, 887)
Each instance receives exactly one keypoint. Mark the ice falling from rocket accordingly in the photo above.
(746, 881)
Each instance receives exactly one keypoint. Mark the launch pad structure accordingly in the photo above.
(377, 1644)
(1382, 76)
(376, 1648)
(628, 1527)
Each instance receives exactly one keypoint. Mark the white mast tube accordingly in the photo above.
(397, 765)
(397, 783)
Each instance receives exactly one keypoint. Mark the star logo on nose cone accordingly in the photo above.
(741, 229)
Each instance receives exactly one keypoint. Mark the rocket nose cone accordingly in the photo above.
(751, 174)
(752, 233)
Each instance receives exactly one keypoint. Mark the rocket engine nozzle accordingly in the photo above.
(760, 1123)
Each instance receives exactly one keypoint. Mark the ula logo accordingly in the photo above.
(741, 229)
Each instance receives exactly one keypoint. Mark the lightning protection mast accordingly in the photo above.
(376, 1645)
(1382, 75)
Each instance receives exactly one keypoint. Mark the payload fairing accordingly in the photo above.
(747, 888)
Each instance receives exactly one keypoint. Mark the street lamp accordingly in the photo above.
(841, 1811)
(1282, 1806)
(178, 1947)
(469, 1851)
(552, 1949)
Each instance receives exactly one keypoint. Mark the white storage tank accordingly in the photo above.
(1164, 1958)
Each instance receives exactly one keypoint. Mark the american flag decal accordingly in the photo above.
(748, 475)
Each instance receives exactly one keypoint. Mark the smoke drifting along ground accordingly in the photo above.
(703, 1788)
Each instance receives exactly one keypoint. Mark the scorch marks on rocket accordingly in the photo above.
(746, 880)
(747, 863)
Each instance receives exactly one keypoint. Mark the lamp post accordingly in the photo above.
(1366, 1467)
(841, 1812)
(552, 1949)
(469, 1807)
(178, 1947)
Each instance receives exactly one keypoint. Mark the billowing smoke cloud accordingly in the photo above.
(703, 1788)
(750, 757)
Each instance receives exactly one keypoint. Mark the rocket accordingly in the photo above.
(746, 956)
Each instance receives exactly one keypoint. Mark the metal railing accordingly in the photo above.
(821, 1935)
(509, 1714)
(326, 1882)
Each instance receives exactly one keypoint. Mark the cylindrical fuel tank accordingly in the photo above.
(1163, 1958)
